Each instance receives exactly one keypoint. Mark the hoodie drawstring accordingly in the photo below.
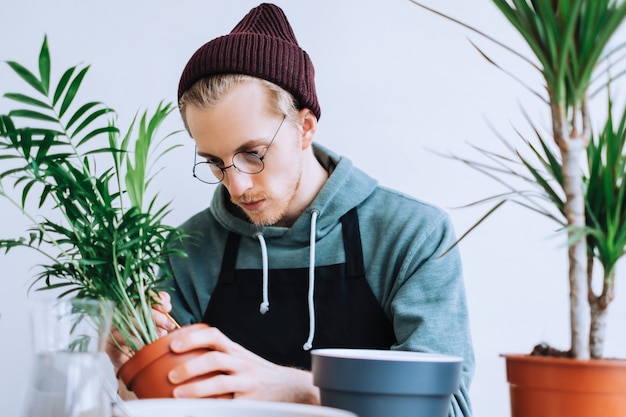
(309, 343)
(265, 305)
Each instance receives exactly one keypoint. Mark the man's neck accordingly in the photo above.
(314, 176)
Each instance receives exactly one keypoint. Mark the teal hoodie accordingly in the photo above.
(421, 292)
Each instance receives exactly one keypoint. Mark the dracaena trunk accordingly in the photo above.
(597, 328)
(599, 306)
(572, 146)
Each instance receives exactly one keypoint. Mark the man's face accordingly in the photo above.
(242, 122)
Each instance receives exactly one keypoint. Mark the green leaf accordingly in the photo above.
(25, 192)
(31, 114)
(72, 90)
(44, 195)
(96, 132)
(89, 119)
(24, 99)
(28, 76)
(80, 112)
(44, 66)
(65, 78)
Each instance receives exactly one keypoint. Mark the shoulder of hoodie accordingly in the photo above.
(203, 227)
(199, 218)
(373, 199)
(394, 212)
(384, 201)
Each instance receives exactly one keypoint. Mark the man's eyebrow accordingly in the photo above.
(252, 143)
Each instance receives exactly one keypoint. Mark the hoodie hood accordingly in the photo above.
(346, 187)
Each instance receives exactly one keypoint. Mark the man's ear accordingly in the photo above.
(308, 122)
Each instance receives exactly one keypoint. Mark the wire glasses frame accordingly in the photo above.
(243, 161)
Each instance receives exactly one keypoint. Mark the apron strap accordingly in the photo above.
(229, 259)
(352, 243)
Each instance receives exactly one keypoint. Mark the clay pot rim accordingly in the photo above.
(527, 358)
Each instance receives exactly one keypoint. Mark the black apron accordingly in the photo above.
(347, 313)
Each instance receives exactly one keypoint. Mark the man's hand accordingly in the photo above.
(235, 372)
(160, 314)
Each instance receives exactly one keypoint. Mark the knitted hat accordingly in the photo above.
(262, 45)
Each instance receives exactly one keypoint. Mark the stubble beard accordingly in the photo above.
(271, 215)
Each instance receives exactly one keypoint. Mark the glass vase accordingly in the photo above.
(68, 376)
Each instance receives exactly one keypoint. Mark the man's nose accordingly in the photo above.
(237, 182)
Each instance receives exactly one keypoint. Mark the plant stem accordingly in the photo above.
(572, 147)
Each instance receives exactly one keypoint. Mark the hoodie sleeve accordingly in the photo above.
(420, 288)
(430, 310)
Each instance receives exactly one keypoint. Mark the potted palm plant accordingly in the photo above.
(571, 44)
(84, 187)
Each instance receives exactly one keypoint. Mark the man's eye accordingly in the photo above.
(257, 153)
(253, 156)
(215, 161)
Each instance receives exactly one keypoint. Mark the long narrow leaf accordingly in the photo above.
(80, 112)
(27, 76)
(72, 90)
(24, 99)
(96, 132)
(89, 119)
(31, 114)
(65, 78)
(44, 66)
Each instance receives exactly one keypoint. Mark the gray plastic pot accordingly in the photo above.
(382, 383)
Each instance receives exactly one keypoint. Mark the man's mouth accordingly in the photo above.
(251, 205)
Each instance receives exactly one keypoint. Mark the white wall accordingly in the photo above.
(393, 80)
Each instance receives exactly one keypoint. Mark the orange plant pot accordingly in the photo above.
(145, 373)
(553, 387)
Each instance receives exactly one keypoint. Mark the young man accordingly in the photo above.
(299, 249)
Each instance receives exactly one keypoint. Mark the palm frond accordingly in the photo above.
(108, 245)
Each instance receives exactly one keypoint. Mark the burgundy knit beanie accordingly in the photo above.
(262, 45)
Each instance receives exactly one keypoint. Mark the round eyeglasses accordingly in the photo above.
(213, 172)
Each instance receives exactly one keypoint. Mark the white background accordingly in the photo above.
(395, 83)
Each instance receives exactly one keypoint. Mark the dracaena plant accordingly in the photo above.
(83, 186)
(569, 41)
(533, 178)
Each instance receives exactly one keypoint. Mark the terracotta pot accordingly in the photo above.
(549, 387)
(145, 373)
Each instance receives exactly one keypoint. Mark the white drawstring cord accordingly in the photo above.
(309, 343)
(265, 305)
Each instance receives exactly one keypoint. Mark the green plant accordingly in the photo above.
(107, 239)
(568, 40)
(533, 179)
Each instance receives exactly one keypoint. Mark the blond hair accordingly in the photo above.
(208, 91)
